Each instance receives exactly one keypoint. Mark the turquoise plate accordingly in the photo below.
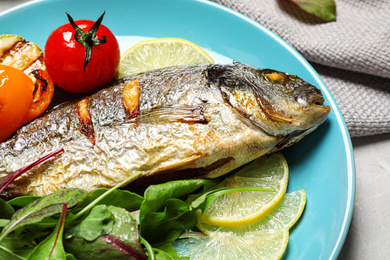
(322, 163)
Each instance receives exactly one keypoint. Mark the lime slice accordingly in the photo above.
(265, 244)
(160, 53)
(283, 217)
(247, 207)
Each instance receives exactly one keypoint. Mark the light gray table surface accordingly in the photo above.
(369, 233)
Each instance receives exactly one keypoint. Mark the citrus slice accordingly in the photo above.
(283, 217)
(160, 53)
(247, 207)
(265, 244)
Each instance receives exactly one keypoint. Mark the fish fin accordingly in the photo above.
(174, 113)
(179, 171)
(185, 163)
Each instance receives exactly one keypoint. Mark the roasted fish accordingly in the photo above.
(172, 123)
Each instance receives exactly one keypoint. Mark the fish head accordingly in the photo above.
(279, 103)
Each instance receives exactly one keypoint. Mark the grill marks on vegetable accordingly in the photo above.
(22, 54)
(28, 57)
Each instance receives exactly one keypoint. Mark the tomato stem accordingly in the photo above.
(88, 39)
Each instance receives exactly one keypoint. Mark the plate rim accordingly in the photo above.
(350, 162)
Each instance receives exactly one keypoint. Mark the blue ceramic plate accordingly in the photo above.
(322, 163)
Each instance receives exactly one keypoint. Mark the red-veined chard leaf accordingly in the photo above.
(6, 180)
(121, 243)
(52, 247)
(324, 9)
(42, 208)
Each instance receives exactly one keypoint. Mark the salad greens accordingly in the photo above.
(323, 9)
(107, 223)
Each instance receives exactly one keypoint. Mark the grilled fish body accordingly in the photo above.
(173, 123)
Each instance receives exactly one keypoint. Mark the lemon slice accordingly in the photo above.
(283, 217)
(265, 244)
(247, 207)
(160, 53)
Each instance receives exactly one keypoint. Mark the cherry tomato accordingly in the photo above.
(16, 94)
(65, 57)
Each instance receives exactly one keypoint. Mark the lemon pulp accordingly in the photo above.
(247, 207)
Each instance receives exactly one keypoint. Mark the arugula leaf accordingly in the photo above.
(121, 243)
(52, 247)
(42, 208)
(324, 9)
(98, 222)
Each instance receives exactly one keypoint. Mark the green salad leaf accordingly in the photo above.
(98, 222)
(22, 201)
(163, 216)
(6, 210)
(167, 252)
(42, 208)
(119, 198)
(323, 9)
(121, 242)
(15, 248)
(52, 247)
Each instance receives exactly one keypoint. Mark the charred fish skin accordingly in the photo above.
(172, 123)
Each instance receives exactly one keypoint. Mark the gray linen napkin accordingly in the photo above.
(351, 54)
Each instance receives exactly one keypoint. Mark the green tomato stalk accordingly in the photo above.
(88, 39)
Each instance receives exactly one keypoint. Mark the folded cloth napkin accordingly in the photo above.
(351, 54)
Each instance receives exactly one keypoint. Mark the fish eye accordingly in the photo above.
(276, 78)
